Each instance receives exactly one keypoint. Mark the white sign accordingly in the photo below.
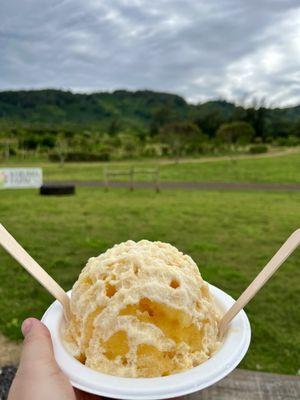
(17, 178)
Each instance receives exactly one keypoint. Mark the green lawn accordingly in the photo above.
(230, 235)
(274, 169)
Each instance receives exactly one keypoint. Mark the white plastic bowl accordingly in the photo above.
(231, 353)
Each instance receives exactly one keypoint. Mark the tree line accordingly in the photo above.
(122, 124)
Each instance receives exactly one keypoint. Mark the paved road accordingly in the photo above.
(192, 185)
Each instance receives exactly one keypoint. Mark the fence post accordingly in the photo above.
(105, 175)
(156, 178)
(131, 179)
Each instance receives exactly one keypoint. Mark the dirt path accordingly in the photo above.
(9, 351)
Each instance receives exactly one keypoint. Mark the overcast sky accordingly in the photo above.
(200, 49)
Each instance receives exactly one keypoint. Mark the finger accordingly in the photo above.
(37, 353)
(38, 376)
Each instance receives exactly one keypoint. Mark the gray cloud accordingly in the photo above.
(234, 49)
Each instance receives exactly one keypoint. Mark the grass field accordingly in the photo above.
(273, 169)
(230, 235)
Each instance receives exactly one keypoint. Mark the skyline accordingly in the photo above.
(227, 49)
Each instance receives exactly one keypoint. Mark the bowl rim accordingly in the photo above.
(225, 360)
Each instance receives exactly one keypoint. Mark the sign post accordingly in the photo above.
(20, 178)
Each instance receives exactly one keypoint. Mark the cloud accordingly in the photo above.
(232, 49)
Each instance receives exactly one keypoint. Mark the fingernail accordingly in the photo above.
(26, 326)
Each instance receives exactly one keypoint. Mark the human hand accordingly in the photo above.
(38, 376)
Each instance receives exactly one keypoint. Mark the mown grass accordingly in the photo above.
(230, 235)
(274, 169)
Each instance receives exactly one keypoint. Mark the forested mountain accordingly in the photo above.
(97, 110)
(141, 112)
(124, 124)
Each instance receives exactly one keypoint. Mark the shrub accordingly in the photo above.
(258, 149)
(235, 133)
(81, 156)
(153, 150)
(129, 145)
(293, 140)
(182, 137)
(48, 141)
(288, 141)
(281, 141)
(31, 143)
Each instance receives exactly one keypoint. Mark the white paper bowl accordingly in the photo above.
(231, 353)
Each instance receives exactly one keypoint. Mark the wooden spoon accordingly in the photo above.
(265, 274)
(21, 255)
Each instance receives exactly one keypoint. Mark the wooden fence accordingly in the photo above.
(131, 174)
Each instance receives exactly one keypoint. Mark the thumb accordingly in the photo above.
(37, 354)
(38, 376)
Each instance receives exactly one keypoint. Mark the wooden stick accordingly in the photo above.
(282, 254)
(23, 258)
